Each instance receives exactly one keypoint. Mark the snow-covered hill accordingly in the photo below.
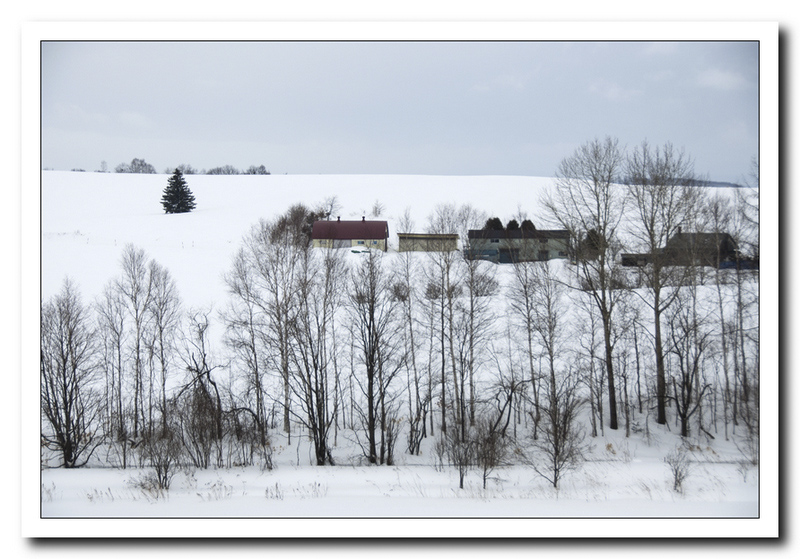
(87, 219)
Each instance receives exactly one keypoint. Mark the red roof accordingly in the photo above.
(342, 230)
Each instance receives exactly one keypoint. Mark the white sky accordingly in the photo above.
(455, 108)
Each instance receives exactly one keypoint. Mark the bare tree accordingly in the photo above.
(444, 286)
(661, 188)
(137, 314)
(689, 342)
(257, 319)
(589, 355)
(431, 298)
(135, 166)
(135, 288)
(508, 388)
(377, 208)
(479, 283)
(318, 286)
(521, 297)
(560, 443)
(460, 449)
(745, 326)
(262, 283)
(718, 218)
(560, 447)
(200, 410)
(625, 335)
(418, 382)
(330, 207)
(112, 330)
(374, 314)
(492, 446)
(198, 362)
(165, 317)
(70, 404)
(587, 199)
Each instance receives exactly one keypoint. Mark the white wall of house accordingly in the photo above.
(350, 243)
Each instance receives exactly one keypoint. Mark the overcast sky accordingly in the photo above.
(453, 108)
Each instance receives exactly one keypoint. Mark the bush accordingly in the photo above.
(679, 466)
(164, 453)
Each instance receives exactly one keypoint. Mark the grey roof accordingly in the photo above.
(518, 234)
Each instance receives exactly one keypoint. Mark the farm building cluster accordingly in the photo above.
(523, 244)
(499, 246)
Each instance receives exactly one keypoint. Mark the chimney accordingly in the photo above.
(363, 218)
(338, 218)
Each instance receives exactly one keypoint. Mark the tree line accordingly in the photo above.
(141, 166)
(496, 365)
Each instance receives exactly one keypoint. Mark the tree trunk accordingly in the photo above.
(612, 398)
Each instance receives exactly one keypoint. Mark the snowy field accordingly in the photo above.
(622, 479)
(88, 218)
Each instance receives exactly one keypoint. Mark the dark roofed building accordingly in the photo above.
(517, 245)
(347, 234)
(687, 249)
(703, 249)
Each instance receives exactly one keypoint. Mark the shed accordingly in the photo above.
(427, 242)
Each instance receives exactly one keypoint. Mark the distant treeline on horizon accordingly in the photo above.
(141, 166)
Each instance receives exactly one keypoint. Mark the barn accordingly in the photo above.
(690, 249)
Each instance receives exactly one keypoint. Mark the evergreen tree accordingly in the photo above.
(493, 224)
(177, 197)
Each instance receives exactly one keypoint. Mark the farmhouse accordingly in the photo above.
(427, 242)
(687, 249)
(517, 245)
(347, 234)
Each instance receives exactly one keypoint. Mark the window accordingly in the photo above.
(495, 240)
(360, 242)
(374, 242)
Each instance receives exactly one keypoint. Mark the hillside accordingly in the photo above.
(89, 218)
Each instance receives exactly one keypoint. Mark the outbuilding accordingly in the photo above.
(427, 242)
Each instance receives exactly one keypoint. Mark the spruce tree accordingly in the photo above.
(493, 224)
(177, 197)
